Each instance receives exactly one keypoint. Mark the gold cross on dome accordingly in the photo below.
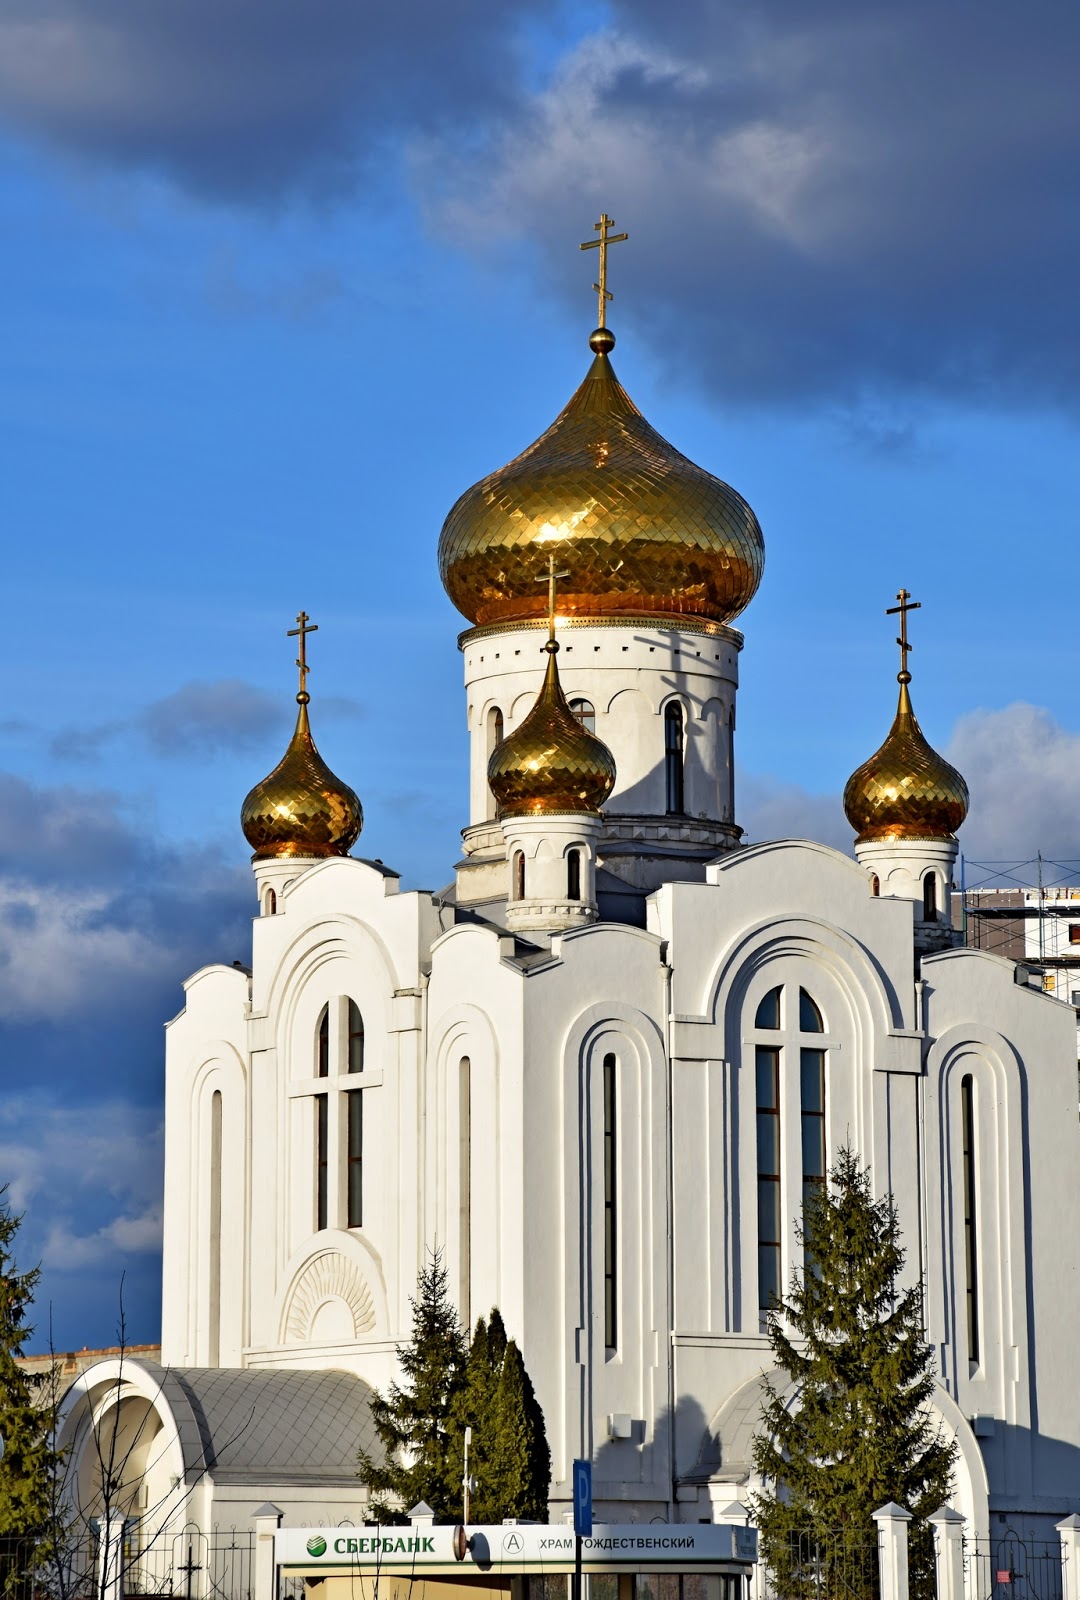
(601, 244)
(906, 604)
(552, 580)
(305, 627)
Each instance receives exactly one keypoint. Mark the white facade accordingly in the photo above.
(399, 1072)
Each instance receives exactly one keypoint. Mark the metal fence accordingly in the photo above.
(188, 1565)
(1012, 1566)
(824, 1564)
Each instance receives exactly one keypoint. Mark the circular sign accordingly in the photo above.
(316, 1546)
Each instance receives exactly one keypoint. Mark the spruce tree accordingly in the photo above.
(27, 1412)
(415, 1420)
(859, 1433)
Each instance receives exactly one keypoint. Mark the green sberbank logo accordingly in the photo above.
(316, 1546)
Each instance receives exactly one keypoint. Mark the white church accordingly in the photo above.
(603, 1067)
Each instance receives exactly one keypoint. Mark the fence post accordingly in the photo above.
(948, 1526)
(267, 1520)
(892, 1521)
(111, 1559)
(1069, 1534)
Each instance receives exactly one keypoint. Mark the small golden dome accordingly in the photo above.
(905, 790)
(301, 809)
(642, 530)
(551, 764)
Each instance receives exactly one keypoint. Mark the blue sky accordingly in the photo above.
(272, 297)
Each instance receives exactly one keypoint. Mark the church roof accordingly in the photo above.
(274, 1427)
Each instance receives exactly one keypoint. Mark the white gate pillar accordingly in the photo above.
(948, 1526)
(1069, 1534)
(111, 1559)
(267, 1520)
(892, 1521)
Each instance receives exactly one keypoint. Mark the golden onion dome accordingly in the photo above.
(301, 809)
(551, 764)
(905, 790)
(641, 530)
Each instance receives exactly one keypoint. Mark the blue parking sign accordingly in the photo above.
(583, 1499)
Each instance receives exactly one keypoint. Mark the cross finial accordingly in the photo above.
(302, 630)
(552, 580)
(601, 244)
(906, 604)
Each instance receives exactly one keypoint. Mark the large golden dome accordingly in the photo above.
(640, 529)
(551, 764)
(905, 790)
(301, 809)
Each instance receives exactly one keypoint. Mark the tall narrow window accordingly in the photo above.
(465, 1186)
(573, 874)
(519, 875)
(495, 729)
(356, 1039)
(812, 1090)
(322, 1142)
(929, 898)
(270, 907)
(673, 757)
(585, 712)
(768, 1172)
(971, 1243)
(355, 1173)
(875, 885)
(215, 1229)
(322, 1046)
(611, 1283)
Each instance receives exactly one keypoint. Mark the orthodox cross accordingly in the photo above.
(303, 630)
(906, 604)
(552, 580)
(601, 244)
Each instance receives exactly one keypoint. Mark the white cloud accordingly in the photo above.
(65, 1250)
(1023, 770)
(768, 808)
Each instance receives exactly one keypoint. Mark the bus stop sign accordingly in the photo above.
(583, 1499)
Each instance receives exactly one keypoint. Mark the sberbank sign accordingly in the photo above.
(385, 1544)
(516, 1548)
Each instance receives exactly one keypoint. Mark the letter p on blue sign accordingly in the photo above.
(583, 1499)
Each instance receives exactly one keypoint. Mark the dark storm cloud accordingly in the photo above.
(249, 99)
(827, 202)
(824, 201)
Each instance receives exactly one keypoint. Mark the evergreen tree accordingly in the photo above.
(519, 1461)
(27, 1412)
(415, 1420)
(476, 1409)
(860, 1432)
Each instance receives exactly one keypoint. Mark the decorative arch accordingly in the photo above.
(970, 1050)
(345, 1271)
(328, 1280)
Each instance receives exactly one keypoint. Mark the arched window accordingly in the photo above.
(929, 898)
(768, 1011)
(585, 712)
(322, 1046)
(322, 1155)
(673, 757)
(573, 874)
(270, 904)
(214, 1317)
(465, 1186)
(971, 1258)
(611, 1281)
(354, 1159)
(811, 1102)
(519, 875)
(767, 1064)
(495, 727)
(356, 1038)
(875, 884)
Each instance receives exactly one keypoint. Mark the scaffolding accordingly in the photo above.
(1027, 912)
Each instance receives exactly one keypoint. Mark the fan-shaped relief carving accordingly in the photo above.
(329, 1291)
